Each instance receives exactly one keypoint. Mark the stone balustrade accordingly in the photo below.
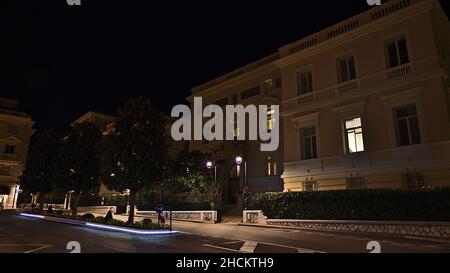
(438, 230)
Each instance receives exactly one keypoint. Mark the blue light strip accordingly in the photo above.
(106, 227)
(33, 216)
(133, 231)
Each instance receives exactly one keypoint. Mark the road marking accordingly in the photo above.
(259, 242)
(38, 246)
(249, 247)
(223, 248)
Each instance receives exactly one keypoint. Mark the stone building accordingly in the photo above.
(16, 129)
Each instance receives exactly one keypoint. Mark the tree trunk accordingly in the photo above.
(132, 203)
(74, 204)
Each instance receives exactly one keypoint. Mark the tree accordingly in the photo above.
(40, 174)
(134, 157)
(79, 169)
(191, 174)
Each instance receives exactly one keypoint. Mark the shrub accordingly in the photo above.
(98, 220)
(88, 217)
(147, 223)
(381, 205)
(59, 213)
(109, 216)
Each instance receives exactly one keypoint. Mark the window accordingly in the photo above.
(271, 167)
(278, 83)
(356, 183)
(397, 52)
(354, 135)
(10, 149)
(235, 171)
(270, 119)
(222, 102)
(346, 69)
(304, 82)
(310, 186)
(309, 143)
(255, 91)
(267, 86)
(234, 99)
(4, 171)
(407, 125)
(412, 181)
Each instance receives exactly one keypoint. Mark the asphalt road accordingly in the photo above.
(25, 235)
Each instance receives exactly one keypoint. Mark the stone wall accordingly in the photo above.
(192, 216)
(418, 229)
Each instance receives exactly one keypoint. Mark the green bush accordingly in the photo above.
(88, 217)
(109, 216)
(381, 205)
(147, 223)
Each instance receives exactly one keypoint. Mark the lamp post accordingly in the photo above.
(239, 160)
(209, 166)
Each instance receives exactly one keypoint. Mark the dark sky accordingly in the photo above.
(62, 61)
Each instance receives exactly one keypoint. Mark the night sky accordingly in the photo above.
(62, 61)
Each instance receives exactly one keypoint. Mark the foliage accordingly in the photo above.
(79, 169)
(135, 156)
(88, 217)
(382, 205)
(108, 216)
(40, 174)
(190, 174)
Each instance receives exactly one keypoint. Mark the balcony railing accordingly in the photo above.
(306, 98)
(8, 157)
(399, 72)
(347, 86)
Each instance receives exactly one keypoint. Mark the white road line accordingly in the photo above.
(39, 248)
(249, 247)
(222, 248)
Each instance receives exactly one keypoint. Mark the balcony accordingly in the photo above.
(306, 98)
(399, 72)
(8, 157)
(347, 86)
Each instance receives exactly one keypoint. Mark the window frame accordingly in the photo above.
(346, 134)
(309, 80)
(408, 122)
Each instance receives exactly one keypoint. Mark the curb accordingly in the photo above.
(430, 239)
(99, 226)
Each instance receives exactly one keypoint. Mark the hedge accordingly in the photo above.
(377, 205)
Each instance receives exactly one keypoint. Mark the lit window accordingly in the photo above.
(267, 86)
(304, 82)
(407, 125)
(346, 69)
(10, 149)
(354, 135)
(309, 143)
(397, 53)
(270, 119)
(271, 167)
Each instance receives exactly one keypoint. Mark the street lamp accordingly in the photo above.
(239, 161)
(209, 166)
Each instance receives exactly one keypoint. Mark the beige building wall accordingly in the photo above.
(15, 133)
(373, 96)
(231, 90)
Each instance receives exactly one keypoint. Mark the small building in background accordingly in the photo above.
(16, 129)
